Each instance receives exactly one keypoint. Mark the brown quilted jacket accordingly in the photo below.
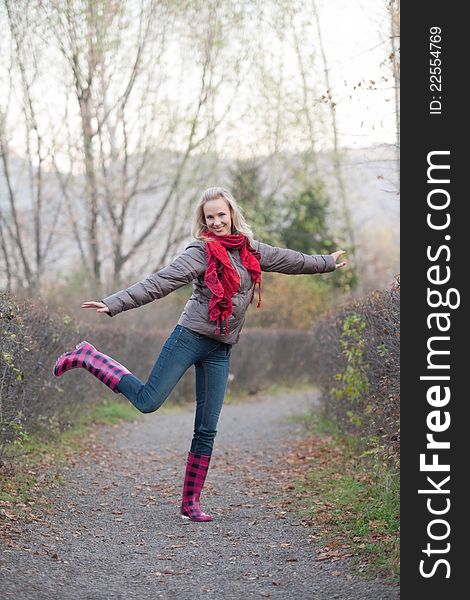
(190, 266)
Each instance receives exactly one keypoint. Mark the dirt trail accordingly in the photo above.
(114, 530)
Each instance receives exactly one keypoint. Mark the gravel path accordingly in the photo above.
(113, 531)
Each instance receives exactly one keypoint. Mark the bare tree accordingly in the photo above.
(27, 232)
(8, 272)
(148, 100)
(118, 122)
(394, 11)
(309, 110)
(337, 166)
(112, 62)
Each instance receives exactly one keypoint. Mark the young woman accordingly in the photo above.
(224, 263)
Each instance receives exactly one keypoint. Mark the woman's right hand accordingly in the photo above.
(99, 306)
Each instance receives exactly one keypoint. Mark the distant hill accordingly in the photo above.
(370, 174)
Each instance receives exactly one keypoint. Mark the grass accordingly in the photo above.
(111, 413)
(354, 500)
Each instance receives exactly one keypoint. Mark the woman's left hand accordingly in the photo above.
(336, 255)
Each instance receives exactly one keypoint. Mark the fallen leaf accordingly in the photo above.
(327, 555)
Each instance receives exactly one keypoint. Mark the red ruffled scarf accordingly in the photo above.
(222, 278)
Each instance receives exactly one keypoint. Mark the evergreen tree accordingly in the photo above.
(306, 229)
(260, 208)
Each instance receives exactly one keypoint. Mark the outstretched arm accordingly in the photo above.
(291, 262)
(184, 269)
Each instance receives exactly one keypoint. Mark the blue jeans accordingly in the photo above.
(183, 349)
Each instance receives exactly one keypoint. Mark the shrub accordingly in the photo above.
(291, 302)
(358, 367)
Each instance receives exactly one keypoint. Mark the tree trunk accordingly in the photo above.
(337, 165)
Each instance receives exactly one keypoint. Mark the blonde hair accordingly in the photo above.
(239, 224)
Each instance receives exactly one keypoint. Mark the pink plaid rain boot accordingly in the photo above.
(196, 470)
(105, 368)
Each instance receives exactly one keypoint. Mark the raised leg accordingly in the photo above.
(179, 353)
(86, 356)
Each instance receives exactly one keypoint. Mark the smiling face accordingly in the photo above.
(217, 216)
